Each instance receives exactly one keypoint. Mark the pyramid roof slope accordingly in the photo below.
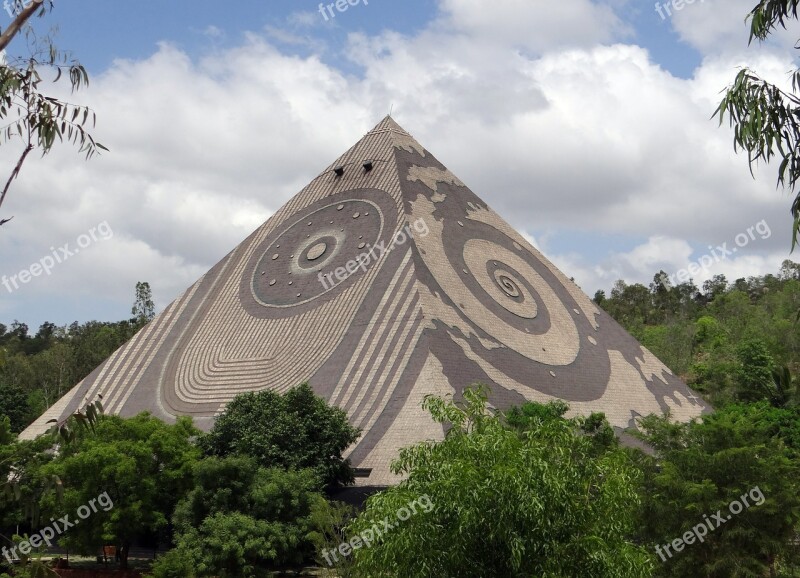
(378, 285)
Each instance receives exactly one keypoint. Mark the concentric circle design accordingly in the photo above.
(507, 284)
(499, 286)
(500, 279)
(321, 249)
(510, 282)
(318, 249)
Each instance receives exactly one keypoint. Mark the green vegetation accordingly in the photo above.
(702, 467)
(541, 498)
(131, 480)
(141, 464)
(764, 118)
(564, 497)
(294, 431)
(37, 370)
(729, 341)
(242, 519)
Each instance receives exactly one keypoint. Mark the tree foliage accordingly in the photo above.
(37, 370)
(31, 116)
(242, 519)
(296, 430)
(538, 499)
(143, 310)
(703, 335)
(143, 464)
(701, 468)
(764, 117)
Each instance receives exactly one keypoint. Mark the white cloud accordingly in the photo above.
(537, 26)
(714, 27)
(582, 136)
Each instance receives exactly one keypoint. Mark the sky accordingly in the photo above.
(585, 124)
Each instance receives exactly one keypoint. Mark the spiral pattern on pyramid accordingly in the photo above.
(384, 280)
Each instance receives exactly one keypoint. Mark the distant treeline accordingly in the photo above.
(724, 339)
(36, 370)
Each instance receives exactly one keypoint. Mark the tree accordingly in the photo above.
(297, 430)
(765, 118)
(143, 309)
(35, 118)
(24, 483)
(700, 469)
(715, 286)
(242, 519)
(94, 341)
(785, 391)
(540, 498)
(754, 375)
(143, 466)
(14, 405)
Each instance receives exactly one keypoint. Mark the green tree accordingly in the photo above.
(143, 465)
(546, 501)
(14, 405)
(754, 374)
(715, 286)
(701, 468)
(143, 309)
(784, 391)
(94, 341)
(241, 519)
(765, 118)
(21, 463)
(296, 430)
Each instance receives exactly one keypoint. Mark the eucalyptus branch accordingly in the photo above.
(16, 25)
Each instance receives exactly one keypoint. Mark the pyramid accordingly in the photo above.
(382, 281)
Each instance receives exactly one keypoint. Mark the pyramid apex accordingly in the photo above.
(389, 124)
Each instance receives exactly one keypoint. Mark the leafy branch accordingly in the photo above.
(766, 119)
(37, 119)
(85, 418)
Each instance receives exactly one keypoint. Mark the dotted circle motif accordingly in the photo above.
(299, 262)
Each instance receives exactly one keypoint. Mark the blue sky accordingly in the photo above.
(584, 123)
(133, 30)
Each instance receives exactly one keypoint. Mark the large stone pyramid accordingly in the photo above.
(383, 280)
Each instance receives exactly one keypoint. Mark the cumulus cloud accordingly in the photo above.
(536, 26)
(560, 127)
(715, 28)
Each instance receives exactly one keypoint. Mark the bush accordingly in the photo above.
(173, 564)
